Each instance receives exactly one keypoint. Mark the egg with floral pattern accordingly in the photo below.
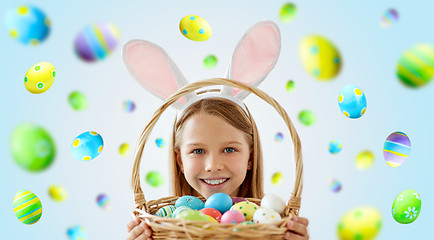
(406, 206)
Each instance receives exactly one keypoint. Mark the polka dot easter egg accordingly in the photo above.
(406, 206)
(266, 215)
(76, 232)
(360, 223)
(246, 208)
(27, 207)
(415, 68)
(189, 201)
(352, 101)
(78, 101)
(396, 149)
(195, 28)
(220, 201)
(233, 216)
(335, 146)
(39, 77)
(87, 146)
(166, 211)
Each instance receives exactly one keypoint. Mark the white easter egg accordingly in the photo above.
(274, 202)
(266, 215)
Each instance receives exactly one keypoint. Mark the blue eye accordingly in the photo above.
(198, 151)
(229, 150)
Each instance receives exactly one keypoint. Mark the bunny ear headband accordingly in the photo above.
(253, 58)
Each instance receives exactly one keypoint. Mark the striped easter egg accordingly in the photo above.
(27, 207)
(396, 149)
(166, 211)
(415, 68)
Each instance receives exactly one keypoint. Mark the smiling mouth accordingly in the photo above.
(215, 182)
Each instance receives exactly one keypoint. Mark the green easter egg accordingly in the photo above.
(192, 215)
(287, 12)
(406, 206)
(307, 117)
(210, 61)
(27, 207)
(415, 68)
(154, 178)
(290, 86)
(78, 101)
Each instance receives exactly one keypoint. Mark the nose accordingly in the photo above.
(213, 163)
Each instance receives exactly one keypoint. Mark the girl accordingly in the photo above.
(215, 144)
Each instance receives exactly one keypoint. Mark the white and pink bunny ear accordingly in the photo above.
(254, 57)
(150, 65)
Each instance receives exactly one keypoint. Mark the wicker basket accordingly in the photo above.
(170, 228)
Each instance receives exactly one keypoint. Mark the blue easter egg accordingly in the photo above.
(87, 146)
(220, 201)
(335, 146)
(189, 201)
(352, 101)
(76, 232)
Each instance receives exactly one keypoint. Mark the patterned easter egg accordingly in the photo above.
(214, 213)
(406, 206)
(103, 201)
(364, 160)
(287, 12)
(195, 28)
(396, 149)
(415, 68)
(273, 201)
(160, 142)
(389, 18)
(320, 57)
(40, 77)
(210, 61)
(190, 201)
(277, 178)
(28, 24)
(335, 146)
(32, 147)
(360, 223)
(124, 149)
(307, 117)
(166, 211)
(278, 137)
(77, 100)
(233, 216)
(266, 215)
(290, 86)
(246, 208)
(128, 106)
(220, 201)
(352, 101)
(76, 232)
(87, 146)
(335, 185)
(154, 178)
(179, 210)
(57, 193)
(96, 42)
(27, 207)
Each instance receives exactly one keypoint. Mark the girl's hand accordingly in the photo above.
(297, 229)
(138, 230)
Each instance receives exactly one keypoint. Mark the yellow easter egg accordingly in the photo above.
(320, 57)
(27, 207)
(40, 77)
(57, 193)
(360, 223)
(195, 28)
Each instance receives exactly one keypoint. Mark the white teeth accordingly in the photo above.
(215, 182)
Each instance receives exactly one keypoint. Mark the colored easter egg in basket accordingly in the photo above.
(274, 202)
(359, 223)
(266, 215)
(179, 210)
(32, 147)
(246, 208)
(77, 100)
(190, 201)
(213, 213)
(87, 146)
(352, 101)
(237, 200)
(415, 68)
(27, 207)
(166, 211)
(243, 224)
(406, 206)
(233, 216)
(57, 193)
(39, 77)
(103, 201)
(195, 28)
(76, 232)
(193, 215)
(220, 201)
(396, 149)
(28, 24)
(335, 146)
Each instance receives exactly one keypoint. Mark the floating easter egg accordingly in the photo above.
(32, 147)
(335, 185)
(233, 216)
(406, 206)
(220, 201)
(57, 193)
(154, 178)
(246, 208)
(103, 201)
(415, 68)
(193, 215)
(77, 100)
(28, 24)
(124, 149)
(352, 101)
(307, 117)
(210, 61)
(396, 149)
(76, 233)
(87, 146)
(278, 137)
(96, 42)
(166, 211)
(273, 201)
(27, 207)
(195, 28)
(320, 57)
(179, 210)
(335, 146)
(277, 178)
(287, 12)
(190, 201)
(266, 215)
(389, 18)
(160, 142)
(40, 77)
(290, 86)
(128, 106)
(237, 200)
(214, 213)
(365, 160)
(360, 223)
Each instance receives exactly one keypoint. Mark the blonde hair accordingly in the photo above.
(233, 114)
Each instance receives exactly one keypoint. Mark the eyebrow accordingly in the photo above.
(225, 143)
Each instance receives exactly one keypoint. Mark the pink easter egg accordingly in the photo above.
(233, 216)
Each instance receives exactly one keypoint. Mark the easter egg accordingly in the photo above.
(87, 146)
(278, 137)
(335, 146)
(210, 61)
(237, 200)
(32, 147)
(396, 149)
(166, 211)
(246, 208)
(220, 201)
(27, 207)
(124, 149)
(190, 201)
(266, 215)
(76, 233)
(57, 193)
(359, 223)
(233, 216)
(320, 58)
(39, 77)
(77, 100)
(287, 12)
(243, 224)
(179, 210)
(103, 201)
(335, 185)
(160, 142)
(389, 18)
(415, 68)
(154, 178)
(96, 42)
(28, 24)
(290, 86)
(307, 117)
(352, 101)
(214, 213)
(273, 201)
(365, 160)
(193, 215)
(406, 206)
(195, 28)
(277, 178)
(128, 106)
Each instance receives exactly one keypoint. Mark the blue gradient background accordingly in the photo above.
(370, 54)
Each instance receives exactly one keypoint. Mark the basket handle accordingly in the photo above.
(293, 205)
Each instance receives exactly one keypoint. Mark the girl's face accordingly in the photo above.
(213, 155)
